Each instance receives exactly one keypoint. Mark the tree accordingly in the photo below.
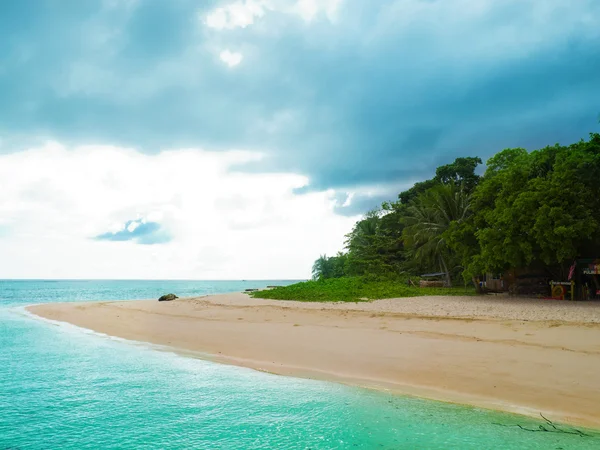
(537, 209)
(529, 209)
(361, 245)
(461, 172)
(375, 243)
(418, 188)
(333, 267)
(427, 220)
(321, 268)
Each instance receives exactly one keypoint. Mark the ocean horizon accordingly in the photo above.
(65, 387)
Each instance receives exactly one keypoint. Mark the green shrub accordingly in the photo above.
(354, 289)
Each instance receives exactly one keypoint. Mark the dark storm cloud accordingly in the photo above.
(380, 95)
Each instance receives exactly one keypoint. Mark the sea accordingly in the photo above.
(64, 387)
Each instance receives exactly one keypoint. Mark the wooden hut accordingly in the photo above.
(437, 279)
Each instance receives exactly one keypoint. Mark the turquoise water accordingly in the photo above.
(62, 387)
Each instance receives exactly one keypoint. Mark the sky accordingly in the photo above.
(241, 139)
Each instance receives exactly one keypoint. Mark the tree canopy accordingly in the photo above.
(539, 208)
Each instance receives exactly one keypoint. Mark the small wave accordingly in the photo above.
(69, 327)
(66, 325)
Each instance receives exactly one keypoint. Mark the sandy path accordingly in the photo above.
(434, 347)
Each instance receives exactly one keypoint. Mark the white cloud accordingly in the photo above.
(242, 14)
(230, 58)
(348, 200)
(223, 224)
(237, 14)
(133, 225)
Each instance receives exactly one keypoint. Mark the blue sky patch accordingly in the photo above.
(146, 233)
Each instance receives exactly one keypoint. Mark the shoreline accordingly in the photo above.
(522, 367)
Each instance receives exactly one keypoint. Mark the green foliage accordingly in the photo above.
(353, 289)
(504, 159)
(378, 245)
(420, 187)
(534, 209)
(529, 209)
(428, 219)
(374, 245)
(460, 172)
(332, 267)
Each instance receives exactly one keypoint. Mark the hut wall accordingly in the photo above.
(425, 283)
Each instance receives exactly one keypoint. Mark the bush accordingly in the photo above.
(355, 289)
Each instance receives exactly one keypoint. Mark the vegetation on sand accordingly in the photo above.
(353, 289)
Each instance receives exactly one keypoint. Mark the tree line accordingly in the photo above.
(529, 209)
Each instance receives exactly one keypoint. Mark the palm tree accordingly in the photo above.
(429, 216)
(321, 269)
(364, 231)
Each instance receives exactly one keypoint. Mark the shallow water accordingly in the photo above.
(64, 387)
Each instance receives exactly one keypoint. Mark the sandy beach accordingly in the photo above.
(519, 355)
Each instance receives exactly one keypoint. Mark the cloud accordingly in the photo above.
(140, 231)
(237, 14)
(94, 211)
(244, 13)
(356, 96)
(231, 58)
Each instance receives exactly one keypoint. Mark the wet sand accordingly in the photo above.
(518, 355)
